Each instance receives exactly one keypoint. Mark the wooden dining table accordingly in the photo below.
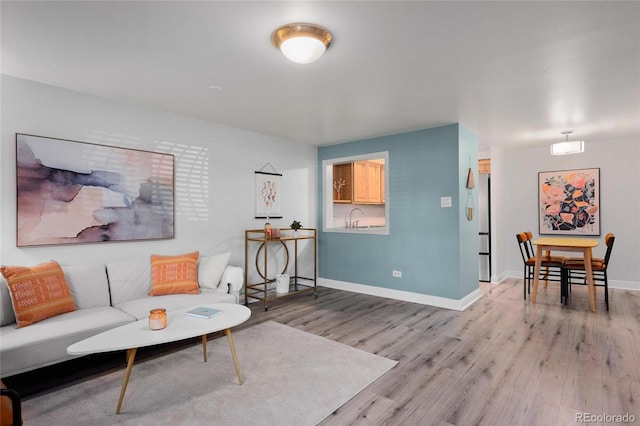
(548, 244)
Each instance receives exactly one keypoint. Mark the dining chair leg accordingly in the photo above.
(561, 287)
(568, 285)
(606, 290)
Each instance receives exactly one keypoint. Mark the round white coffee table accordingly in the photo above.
(180, 326)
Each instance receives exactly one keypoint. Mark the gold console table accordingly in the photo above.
(297, 284)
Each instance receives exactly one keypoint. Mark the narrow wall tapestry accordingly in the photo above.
(569, 202)
(268, 195)
(74, 192)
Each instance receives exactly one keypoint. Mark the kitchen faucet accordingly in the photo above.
(350, 224)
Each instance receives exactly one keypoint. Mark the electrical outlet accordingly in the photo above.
(397, 274)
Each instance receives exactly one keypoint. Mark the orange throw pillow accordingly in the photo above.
(38, 292)
(174, 274)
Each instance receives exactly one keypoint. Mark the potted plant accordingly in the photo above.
(295, 225)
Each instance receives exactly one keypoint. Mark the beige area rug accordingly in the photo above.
(290, 378)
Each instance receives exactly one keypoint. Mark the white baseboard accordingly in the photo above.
(407, 296)
(442, 302)
(497, 279)
(622, 285)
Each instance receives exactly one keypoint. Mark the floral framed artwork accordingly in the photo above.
(75, 192)
(569, 202)
(268, 195)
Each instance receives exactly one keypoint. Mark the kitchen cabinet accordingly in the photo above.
(374, 182)
(363, 183)
(342, 183)
(367, 185)
(382, 185)
(360, 182)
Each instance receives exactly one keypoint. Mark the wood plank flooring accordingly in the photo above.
(503, 361)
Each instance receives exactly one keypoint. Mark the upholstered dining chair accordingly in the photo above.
(574, 270)
(551, 266)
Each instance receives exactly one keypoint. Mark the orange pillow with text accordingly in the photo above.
(174, 274)
(38, 292)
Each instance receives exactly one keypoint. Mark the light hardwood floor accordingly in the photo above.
(503, 361)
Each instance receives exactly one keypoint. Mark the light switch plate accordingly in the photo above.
(445, 201)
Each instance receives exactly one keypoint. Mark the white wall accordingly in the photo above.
(516, 198)
(232, 154)
(498, 210)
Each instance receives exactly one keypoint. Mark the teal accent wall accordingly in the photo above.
(435, 248)
(469, 241)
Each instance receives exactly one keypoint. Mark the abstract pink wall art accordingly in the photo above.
(73, 192)
(569, 202)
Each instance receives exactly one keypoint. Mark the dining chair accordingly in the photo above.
(574, 270)
(551, 266)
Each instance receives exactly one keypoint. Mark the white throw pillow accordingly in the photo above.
(129, 279)
(7, 314)
(210, 269)
(88, 284)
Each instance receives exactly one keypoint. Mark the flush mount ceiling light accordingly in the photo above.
(301, 43)
(567, 147)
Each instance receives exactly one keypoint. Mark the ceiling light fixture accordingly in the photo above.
(566, 147)
(301, 43)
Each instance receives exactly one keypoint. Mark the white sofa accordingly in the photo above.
(106, 296)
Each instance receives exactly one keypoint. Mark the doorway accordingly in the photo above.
(484, 219)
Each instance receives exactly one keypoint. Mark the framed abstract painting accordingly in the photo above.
(75, 192)
(569, 202)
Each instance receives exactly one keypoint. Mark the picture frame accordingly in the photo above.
(569, 202)
(268, 195)
(70, 192)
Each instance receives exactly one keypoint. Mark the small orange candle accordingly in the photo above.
(157, 319)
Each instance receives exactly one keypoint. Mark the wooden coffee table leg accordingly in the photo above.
(131, 355)
(204, 346)
(227, 331)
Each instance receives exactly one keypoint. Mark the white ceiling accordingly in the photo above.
(516, 73)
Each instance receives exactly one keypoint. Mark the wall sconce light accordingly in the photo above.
(567, 147)
(301, 43)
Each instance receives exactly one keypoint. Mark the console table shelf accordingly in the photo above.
(297, 284)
